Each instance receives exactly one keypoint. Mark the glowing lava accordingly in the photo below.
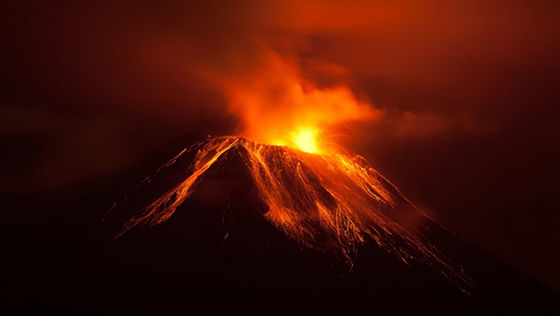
(325, 201)
(305, 139)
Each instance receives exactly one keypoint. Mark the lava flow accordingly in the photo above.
(324, 201)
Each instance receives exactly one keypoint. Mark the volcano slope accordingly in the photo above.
(228, 223)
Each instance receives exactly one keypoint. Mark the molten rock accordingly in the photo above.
(329, 202)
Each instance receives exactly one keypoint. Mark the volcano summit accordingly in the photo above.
(328, 202)
(242, 220)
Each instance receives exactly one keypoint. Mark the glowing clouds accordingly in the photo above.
(277, 106)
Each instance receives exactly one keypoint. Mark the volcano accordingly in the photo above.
(329, 202)
(251, 225)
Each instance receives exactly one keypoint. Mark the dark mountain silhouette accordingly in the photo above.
(219, 253)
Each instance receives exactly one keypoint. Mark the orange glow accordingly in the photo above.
(305, 139)
(278, 106)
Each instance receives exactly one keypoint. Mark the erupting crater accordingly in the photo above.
(327, 201)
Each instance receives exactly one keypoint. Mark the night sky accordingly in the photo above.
(468, 89)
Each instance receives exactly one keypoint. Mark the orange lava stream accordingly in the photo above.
(325, 201)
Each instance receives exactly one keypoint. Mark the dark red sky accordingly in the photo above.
(469, 90)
